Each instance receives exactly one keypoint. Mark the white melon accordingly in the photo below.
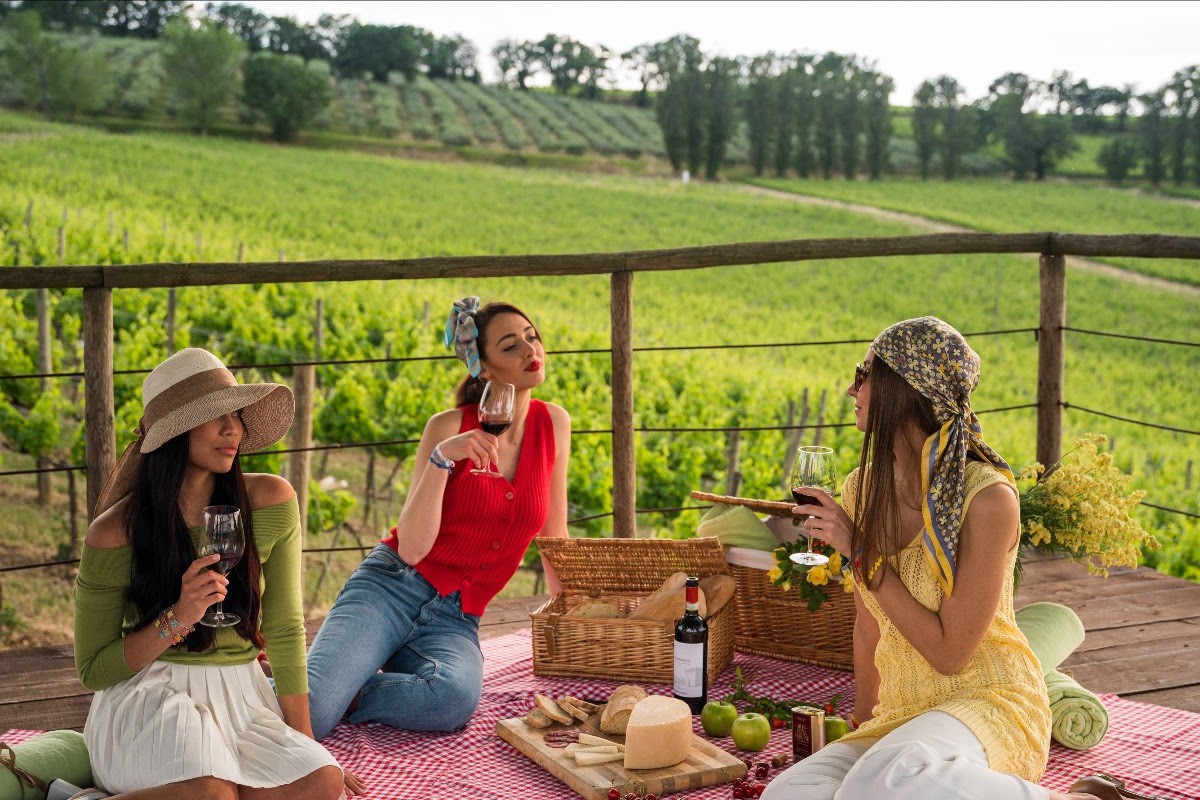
(659, 733)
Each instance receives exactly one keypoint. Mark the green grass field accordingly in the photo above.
(325, 204)
(1009, 206)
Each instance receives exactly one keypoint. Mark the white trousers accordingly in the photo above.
(929, 758)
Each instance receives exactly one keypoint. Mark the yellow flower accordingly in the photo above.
(774, 573)
(818, 575)
(835, 562)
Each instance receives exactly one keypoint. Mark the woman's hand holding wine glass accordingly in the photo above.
(813, 470)
(223, 536)
(495, 415)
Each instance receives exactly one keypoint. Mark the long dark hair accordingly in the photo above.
(471, 389)
(877, 506)
(163, 549)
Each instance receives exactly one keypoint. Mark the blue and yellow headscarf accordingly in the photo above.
(935, 359)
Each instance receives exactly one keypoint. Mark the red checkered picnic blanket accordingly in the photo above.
(1155, 749)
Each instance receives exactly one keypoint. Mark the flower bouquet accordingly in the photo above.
(812, 582)
(1081, 508)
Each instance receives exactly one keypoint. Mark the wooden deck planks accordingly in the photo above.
(1142, 634)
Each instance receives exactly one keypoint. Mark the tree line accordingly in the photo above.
(801, 113)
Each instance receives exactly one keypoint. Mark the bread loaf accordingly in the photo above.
(551, 709)
(535, 718)
(718, 590)
(567, 704)
(595, 609)
(620, 705)
(673, 583)
(666, 607)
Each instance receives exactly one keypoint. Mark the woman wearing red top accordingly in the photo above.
(404, 630)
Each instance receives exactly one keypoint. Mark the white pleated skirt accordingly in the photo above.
(173, 722)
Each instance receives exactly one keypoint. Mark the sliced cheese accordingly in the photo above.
(659, 733)
(595, 748)
(587, 738)
(591, 759)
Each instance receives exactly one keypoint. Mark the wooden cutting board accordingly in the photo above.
(707, 765)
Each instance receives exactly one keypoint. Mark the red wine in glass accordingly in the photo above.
(495, 415)
(813, 469)
(495, 428)
(222, 535)
(803, 499)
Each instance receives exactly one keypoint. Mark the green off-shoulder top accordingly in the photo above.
(104, 613)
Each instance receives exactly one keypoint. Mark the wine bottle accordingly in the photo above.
(691, 650)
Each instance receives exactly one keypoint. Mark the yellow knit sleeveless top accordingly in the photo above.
(1000, 693)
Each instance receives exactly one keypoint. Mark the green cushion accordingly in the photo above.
(57, 754)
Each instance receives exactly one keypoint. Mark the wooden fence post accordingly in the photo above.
(1052, 317)
(624, 452)
(99, 421)
(45, 365)
(304, 384)
(172, 299)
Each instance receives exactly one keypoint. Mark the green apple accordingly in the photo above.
(717, 717)
(835, 728)
(751, 731)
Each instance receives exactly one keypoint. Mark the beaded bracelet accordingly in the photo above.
(440, 461)
(169, 627)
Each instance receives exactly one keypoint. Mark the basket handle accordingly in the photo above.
(548, 634)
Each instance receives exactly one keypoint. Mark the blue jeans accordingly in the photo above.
(388, 616)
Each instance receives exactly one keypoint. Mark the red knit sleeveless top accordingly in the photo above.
(488, 523)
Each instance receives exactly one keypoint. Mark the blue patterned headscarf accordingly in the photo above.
(463, 335)
(935, 359)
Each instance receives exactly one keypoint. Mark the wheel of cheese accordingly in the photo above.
(659, 733)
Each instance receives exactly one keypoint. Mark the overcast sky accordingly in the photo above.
(1105, 42)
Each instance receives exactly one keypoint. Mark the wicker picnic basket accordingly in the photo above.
(771, 622)
(624, 571)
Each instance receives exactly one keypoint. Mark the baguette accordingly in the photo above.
(552, 710)
(615, 718)
(673, 583)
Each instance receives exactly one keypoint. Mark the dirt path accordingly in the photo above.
(926, 225)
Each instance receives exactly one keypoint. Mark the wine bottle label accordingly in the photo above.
(689, 669)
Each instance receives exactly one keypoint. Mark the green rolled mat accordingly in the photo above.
(1053, 631)
(56, 754)
(736, 526)
(1078, 719)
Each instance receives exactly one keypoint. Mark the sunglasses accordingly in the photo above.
(860, 375)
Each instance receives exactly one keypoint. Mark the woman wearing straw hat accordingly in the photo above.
(412, 607)
(182, 706)
(950, 699)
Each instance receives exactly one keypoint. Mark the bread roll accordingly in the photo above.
(620, 705)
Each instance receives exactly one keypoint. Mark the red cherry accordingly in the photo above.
(829, 709)
(651, 796)
(758, 790)
(762, 770)
(614, 794)
(738, 793)
(749, 763)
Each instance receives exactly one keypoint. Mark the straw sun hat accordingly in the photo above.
(189, 389)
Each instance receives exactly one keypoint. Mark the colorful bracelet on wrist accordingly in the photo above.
(440, 461)
(169, 627)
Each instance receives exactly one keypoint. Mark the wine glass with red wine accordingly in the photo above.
(495, 415)
(813, 469)
(224, 536)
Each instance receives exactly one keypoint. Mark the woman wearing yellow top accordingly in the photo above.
(950, 698)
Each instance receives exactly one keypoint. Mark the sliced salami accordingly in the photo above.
(561, 737)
